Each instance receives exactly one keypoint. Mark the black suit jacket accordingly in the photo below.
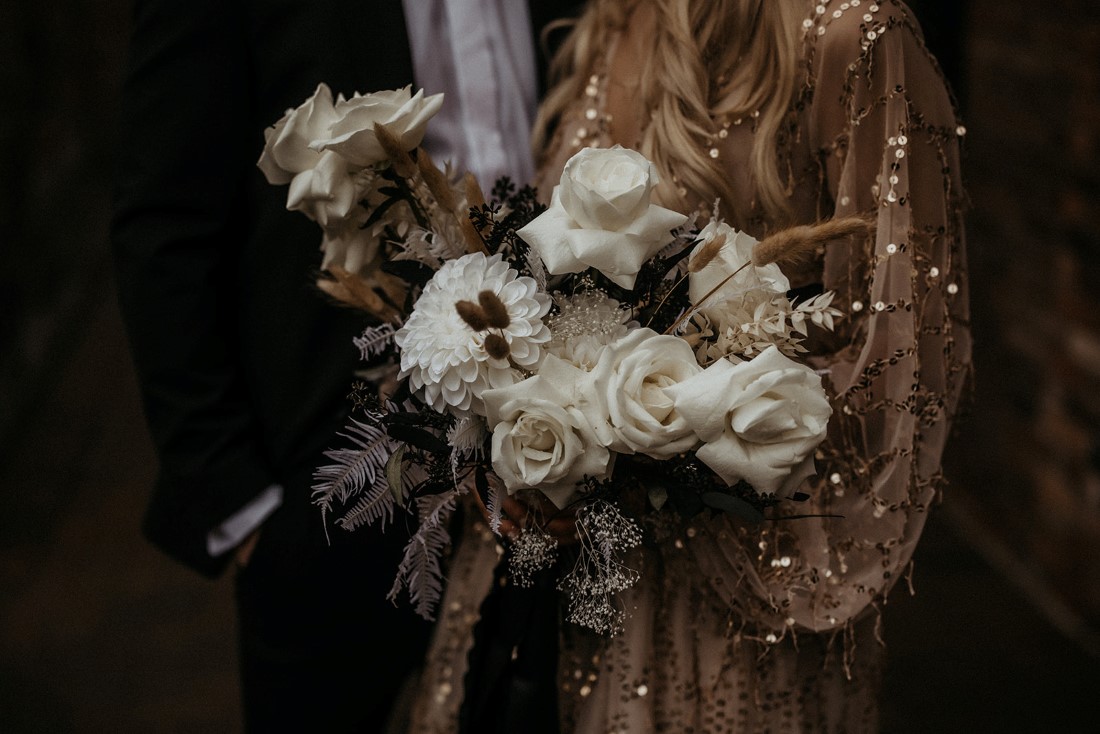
(243, 366)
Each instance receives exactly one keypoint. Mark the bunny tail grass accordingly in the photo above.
(800, 243)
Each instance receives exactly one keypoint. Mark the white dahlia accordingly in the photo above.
(445, 357)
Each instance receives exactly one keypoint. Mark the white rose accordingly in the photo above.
(325, 193)
(287, 151)
(541, 441)
(404, 114)
(736, 251)
(760, 420)
(322, 184)
(600, 216)
(630, 379)
(350, 245)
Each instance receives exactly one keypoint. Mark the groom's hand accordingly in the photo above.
(243, 553)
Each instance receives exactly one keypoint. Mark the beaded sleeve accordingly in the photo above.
(883, 135)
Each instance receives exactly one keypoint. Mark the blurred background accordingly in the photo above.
(100, 633)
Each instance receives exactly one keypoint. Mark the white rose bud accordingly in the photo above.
(600, 216)
(736, 251)
(287, 151)
(760, 420)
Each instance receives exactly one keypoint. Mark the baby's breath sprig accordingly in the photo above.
(599, 575)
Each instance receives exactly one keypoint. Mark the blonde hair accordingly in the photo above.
(732, 58)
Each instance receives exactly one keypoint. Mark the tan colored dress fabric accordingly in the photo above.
(773, 628)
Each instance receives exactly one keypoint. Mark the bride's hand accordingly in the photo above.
(516, 514)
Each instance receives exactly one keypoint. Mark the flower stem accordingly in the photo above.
(691, 311)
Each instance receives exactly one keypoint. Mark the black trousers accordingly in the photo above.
(321, 650)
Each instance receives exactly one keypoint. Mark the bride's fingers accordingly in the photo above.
(563, 530)
(562, 525)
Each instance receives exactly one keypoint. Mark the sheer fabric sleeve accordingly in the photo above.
(885, 134)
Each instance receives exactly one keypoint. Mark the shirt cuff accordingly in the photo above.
(242, 523)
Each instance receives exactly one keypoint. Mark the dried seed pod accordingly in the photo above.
(706, 254)
(796, 244)
(496, 313)
(497, 346)
(473, 314)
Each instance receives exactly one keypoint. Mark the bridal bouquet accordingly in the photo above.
(602, 351)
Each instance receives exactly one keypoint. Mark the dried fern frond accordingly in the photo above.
(355, 471)
(374, 340)
(467, 437)
(797, 244)
(377, 504)
(420, 570)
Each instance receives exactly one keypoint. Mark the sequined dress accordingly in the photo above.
(776, 628)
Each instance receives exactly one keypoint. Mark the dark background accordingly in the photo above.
(100, 633)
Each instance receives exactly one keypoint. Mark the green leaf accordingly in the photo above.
(734, 506)
(418, 438)
(394, 475)
(380, 211)
(658, 496)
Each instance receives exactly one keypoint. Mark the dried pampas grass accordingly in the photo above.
(352, 290)
(399, 157)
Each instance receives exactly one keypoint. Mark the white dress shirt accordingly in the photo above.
(479, 54)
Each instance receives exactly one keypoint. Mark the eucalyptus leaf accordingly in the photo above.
(410, 419)
(418, 438)
(379, 211)
(395, 475)
(658, 496)
(734, 506)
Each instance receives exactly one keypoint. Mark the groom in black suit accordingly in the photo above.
(243, 366)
